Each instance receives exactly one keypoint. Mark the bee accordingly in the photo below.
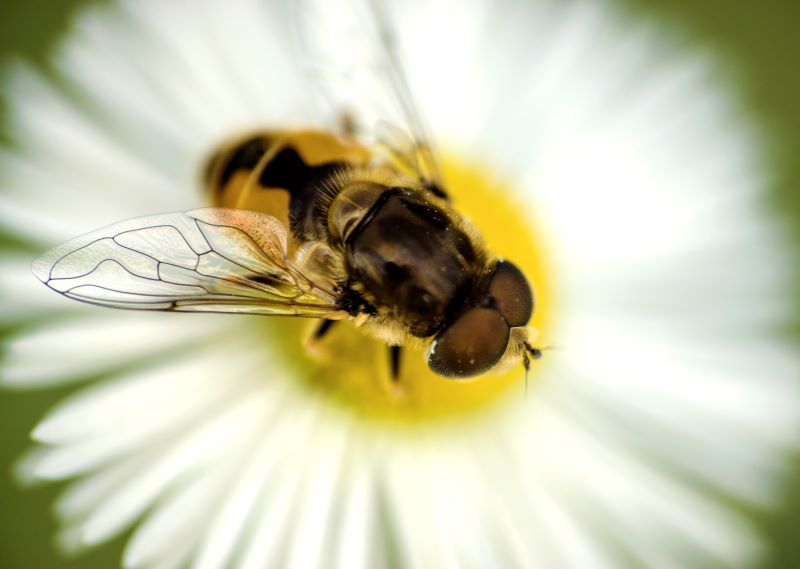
(354, 225)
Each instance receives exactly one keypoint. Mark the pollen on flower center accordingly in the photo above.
(352, 369)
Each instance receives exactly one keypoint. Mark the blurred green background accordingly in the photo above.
(759, 44)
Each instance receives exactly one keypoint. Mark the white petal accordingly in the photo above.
(74, 349)
(219, 439)
(423, 543)
(178, 522)
(192, 379)
(274, 513)
(86, 494)
(75, 163)
(20, 299)
(311, 544)
(358, 533)
(117, 429)
(237, 510)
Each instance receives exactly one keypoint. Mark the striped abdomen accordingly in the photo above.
(284, 174)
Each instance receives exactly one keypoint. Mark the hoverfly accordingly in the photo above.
(346, 229)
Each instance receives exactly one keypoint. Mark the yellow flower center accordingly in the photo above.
(351, 368)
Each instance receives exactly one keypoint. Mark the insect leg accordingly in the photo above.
(526, 362)
(323, 328)
(312, 342)
(394, 363)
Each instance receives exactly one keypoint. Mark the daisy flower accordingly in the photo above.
(617, 172)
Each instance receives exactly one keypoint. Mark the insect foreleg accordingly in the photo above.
(394, 363)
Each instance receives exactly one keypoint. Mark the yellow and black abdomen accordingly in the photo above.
(283, 174)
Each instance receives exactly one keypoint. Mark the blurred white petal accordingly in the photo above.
(175, 528)
(71, 349)
(19, 301)
(121, 402)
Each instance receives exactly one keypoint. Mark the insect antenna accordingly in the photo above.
(526, 362)
(535, 353)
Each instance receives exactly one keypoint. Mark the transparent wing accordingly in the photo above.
(350, 53)
(205, 260)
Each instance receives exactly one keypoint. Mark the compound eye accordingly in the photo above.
(512, 294)
(472, 345)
